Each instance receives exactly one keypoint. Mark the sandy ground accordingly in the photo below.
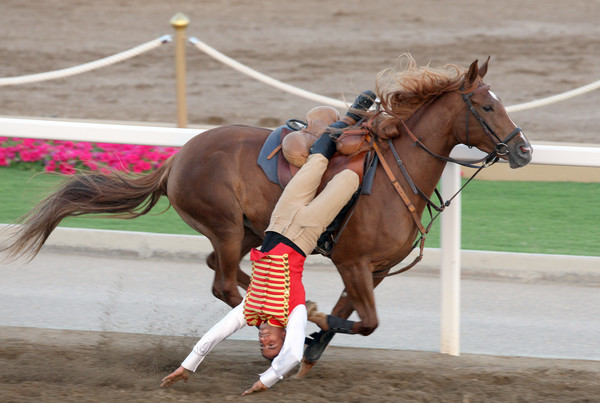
(55, 365)
(539, 48)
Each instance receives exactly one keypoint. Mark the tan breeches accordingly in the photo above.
(299, 215)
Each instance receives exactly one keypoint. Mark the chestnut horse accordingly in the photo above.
(216, 186)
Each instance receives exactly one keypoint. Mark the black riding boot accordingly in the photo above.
(326, 143)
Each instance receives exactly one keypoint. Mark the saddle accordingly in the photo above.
(287, 148)
(295, 139)
(296, 145)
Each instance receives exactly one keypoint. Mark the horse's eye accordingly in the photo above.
(488, 108)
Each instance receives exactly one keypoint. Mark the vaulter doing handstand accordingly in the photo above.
(275, 300)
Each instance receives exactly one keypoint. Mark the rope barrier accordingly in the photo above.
(212, 52)
(554, 98)
(119, 57)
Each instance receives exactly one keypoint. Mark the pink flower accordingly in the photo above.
(60, 156)
(84, 155)
(66, 169)
(132, 158)
(152, 155)
(106, 157)
(119, 166)
(31, 156)
(91, 165)
(66, 156)
(50, 166)
(142, 166)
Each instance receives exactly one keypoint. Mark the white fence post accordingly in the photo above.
(450, 263)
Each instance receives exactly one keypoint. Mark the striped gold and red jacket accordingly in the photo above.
(275, 287)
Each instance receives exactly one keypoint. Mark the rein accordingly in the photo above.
(501, 149)
(411, 208)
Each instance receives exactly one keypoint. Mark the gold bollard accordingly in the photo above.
(180, 22)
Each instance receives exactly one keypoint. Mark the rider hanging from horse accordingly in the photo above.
(275, 300)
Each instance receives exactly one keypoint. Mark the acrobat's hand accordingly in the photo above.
(178, 374)
(257, 387)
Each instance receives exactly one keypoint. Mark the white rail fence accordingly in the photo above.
(450, 219)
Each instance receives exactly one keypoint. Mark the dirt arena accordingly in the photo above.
(333, 49)
(72, 366)
(539, 48)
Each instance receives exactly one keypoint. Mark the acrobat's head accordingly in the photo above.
(270, 339)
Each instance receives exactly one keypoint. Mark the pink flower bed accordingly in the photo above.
(67, 156)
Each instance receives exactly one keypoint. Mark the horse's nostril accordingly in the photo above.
(525, 149)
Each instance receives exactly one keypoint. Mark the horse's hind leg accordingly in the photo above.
(225, 262)
(230, 241)
(222, 266)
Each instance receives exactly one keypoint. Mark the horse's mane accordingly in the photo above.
(406, 87)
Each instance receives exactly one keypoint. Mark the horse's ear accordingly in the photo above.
(472, 74)
(483, 68)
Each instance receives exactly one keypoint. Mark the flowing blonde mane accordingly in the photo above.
(405, 88)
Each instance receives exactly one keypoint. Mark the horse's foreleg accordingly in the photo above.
(342, 309)
(344, 306)
(358, 295)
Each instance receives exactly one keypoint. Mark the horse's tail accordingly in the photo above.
(88, 193)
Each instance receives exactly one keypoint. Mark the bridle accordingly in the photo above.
(501, 149)
(501, 145)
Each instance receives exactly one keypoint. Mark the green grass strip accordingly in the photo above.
(528, 217)
(21, 190)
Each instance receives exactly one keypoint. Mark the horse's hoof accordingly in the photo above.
(305, 367)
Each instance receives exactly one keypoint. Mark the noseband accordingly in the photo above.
(501, 145)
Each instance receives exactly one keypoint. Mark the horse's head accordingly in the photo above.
(486, 124)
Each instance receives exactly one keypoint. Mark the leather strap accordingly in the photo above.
(373, 140)
(275, 151)
(409, 204)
